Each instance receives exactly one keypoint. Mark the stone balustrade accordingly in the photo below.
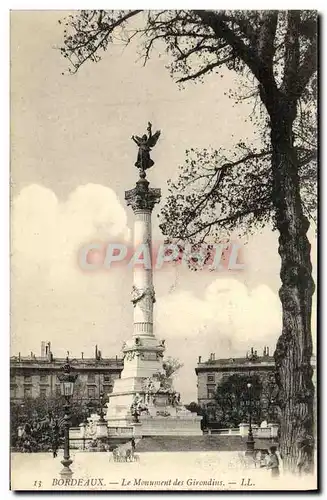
(268, 432)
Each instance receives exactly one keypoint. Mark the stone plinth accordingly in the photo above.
(183, 425)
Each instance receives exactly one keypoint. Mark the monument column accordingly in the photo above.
(142, 353)
(142, 200)
(142, 400)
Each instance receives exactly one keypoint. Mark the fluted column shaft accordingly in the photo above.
(142, 199)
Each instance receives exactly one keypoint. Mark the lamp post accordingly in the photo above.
(273, 410)
(67, 380)
(250, 440)
(21, 413)
(102, 403)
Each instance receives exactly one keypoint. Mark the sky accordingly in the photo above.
(72, 159)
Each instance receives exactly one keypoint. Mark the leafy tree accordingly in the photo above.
(230, 405)
(171, 366)
(41, 414)
(38, 422)
(276, 50)
(199, 410)
(194, 408)
(233, 400)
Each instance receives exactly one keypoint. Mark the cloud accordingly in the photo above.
(45, 230)
(51, 297)
(227, 307)
(228, 319)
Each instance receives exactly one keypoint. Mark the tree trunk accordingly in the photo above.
(294, 347)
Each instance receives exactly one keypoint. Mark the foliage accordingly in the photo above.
(234, 400)
(199, 410)
(171, 366)
(41, 415)
(165, 377)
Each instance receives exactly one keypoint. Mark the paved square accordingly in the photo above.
(154, 471)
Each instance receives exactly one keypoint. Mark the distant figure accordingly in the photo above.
(129, 456)
(264, 458)
(257, 459)
(115, 454)
(273, 462)
(133, 447)
(304, 462)
(54, 452)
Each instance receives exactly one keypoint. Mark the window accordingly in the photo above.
(107, 377)
(58, 391)
(27, 392)
(91, 392)
(210, 392)
(91, 378)
(43, 392)
(107, 389)
(27, 379)
(43, 378)
(211, 377)
(12, 391)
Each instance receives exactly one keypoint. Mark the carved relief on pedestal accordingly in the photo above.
(129, 356)
(149, 356)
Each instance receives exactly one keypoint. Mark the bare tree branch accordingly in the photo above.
(204, 70)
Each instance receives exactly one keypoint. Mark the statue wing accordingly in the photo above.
(153, 139)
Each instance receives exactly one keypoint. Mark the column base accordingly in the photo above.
(66, 471)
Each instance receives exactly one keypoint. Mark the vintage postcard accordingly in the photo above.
(163, 250)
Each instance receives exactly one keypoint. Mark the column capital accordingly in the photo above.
(142, 197)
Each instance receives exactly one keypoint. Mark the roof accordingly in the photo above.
(241, 361)
(55, 363)
(230, 363)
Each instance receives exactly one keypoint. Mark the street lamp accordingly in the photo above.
(21, 415)
(67, 380)
(21, 425)
(102, 403)
(250, 440)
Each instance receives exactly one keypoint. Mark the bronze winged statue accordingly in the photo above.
(145, 143)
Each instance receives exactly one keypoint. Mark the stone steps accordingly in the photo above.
(197, 443)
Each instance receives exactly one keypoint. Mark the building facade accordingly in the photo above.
(211, 373)
(37, 376)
